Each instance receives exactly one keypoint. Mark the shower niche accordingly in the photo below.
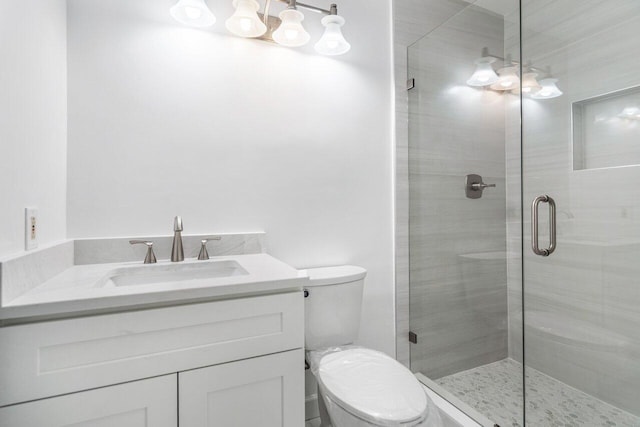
(606, 130)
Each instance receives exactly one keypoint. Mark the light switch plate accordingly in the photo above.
(30, 228)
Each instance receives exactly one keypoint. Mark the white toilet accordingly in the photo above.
(356, 386)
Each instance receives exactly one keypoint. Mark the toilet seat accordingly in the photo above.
(373, 386)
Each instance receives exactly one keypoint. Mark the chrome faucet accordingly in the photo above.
(177, 251)
(150, 258)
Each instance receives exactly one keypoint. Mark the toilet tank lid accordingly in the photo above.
(324, 276)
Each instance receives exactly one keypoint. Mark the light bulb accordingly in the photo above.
(530, 83)
(332, 41)
(291, 32)
(194, 13)
(484, 74)
(508, 79)
(245, 25)
(548, 90)
(245, 21)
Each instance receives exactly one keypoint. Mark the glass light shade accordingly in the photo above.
(630, 113)
(484, 74)
(291, 32)
(508, 79)
(194, 13)
(548, 90)
(245, 21)
(530, 83)
(332, 41)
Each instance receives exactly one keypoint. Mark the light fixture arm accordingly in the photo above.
(265, 17)
(509, 61)
(294, 3)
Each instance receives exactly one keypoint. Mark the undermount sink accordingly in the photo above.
(160, 274)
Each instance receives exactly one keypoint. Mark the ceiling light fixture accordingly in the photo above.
(286, 30)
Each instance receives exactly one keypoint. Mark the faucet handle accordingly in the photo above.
(150, 258)
(204, 254)
(177, 223)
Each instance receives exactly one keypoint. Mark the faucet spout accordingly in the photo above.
(177, 251)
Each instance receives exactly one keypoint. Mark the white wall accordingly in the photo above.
(236, 135)
(32, 119)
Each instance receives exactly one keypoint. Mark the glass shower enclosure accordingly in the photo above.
(525, 297)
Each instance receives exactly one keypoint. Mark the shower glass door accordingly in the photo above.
(528, 313)
(465, 243)
(581, 150)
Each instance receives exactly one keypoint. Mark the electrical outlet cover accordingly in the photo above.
(30, 228)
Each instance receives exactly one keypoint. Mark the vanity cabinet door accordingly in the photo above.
(265, 391)
(146, 403)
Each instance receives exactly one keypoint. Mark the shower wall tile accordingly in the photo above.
(413, 19)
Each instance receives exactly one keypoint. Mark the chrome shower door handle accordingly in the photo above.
(552, 225)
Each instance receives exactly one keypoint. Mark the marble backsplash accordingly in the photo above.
(98, 251)
(21, 273)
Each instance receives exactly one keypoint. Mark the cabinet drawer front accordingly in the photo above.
(265, 391)
(51, 358)
(146, 403)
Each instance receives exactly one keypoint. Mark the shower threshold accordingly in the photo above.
(494, 392)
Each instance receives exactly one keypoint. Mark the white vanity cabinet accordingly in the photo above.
(233, 360)
(146, 403)
(266, 391)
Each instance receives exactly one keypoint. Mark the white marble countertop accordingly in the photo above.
(84, 289)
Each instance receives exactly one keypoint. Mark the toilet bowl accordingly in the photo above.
(357, 387)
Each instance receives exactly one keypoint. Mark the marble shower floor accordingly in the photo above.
(495, 390)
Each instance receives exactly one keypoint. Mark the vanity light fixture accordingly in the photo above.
(484, 74)
(332, 41)
(548, 90)
(245, 22)
(291, 33)
(631, 113)
(194, 13)
(530, 83)
(507, 80)
(286, 30)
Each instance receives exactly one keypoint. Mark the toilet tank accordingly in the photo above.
(332, 304)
